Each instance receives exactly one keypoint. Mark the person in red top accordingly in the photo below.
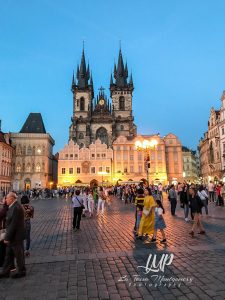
(219, 200)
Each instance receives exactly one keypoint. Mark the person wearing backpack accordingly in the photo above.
(196, 207)
(204, 198)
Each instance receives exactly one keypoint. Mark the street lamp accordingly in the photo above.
(102, 173)
(145, 146)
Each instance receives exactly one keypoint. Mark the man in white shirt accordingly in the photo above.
(211, 189)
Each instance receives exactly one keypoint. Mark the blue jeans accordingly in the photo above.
(28, 229)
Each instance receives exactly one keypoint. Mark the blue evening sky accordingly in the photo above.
(175, 48)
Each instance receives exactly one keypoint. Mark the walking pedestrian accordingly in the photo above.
(173, 199)
(184, 201)
(28, 214)
(15, 235)
(148, 217)
(91, 203)
(204, 198)
(196, 206)
(159, 222)
(211, 189)
(101, 200)
(77, 209)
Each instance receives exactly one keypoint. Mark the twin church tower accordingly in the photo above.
(98, 117)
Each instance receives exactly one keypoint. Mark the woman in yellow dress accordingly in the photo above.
(148, 216)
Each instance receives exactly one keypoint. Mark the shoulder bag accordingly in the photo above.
(81, 205)
(146, 212)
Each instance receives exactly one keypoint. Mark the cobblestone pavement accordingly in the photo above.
(101, 261)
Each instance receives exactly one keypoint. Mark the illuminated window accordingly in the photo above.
(29, 150)
(18, 168)
(63, 170)
(38, 168)
(28, 168)
(100, 169)
(107, 169)
(70, 170)
(92, 170)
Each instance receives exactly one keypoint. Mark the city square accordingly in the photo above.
(90, 264)
(112, 150)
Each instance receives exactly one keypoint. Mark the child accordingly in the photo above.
(159, 222)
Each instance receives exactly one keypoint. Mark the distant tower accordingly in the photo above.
(121, 94)
(83, 94)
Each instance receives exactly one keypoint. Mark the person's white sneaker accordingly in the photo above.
(186, 219)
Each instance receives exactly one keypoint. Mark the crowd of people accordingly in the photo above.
(147, 200)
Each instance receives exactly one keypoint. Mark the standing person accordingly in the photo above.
(3, 213)
(173, 199)
(77, 209)
(159, 222)
(184, 201)
(28, 213)
(15, 235)
(196, 207)
(211, 188)
(91, 203)
(160, 192)
(219, 200)
(204, 198)
(148, 217)
(139, 203)
(101, 200)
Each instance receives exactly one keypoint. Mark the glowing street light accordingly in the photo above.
(146, 145)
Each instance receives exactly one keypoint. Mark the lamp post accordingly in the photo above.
(102, 173)
(145, 146)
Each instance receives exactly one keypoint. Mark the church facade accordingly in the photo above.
(102, 136)
(99, 117)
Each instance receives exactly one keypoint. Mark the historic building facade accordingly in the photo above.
(99, 163)
(102, 137)
(6, 164)
(101, 118)
(33, 159)
(190, 167)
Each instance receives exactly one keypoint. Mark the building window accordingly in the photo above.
(71, 155)
(29, 150)
(18, 168)
(70, 170)
(107, 169)
(78, 170)
(81, 136)
(139, 156)
(103, 155)
(38, 168)
(131, 169)
(100, 169)
(140, 169)
(76, 155)
(28, 168)
(131, 157)
(93, 155)
(66, 155)
(121, 103)
(98, 155)
(125, 170)
(222, 130)
(82, 104)
(93, 170)
(63, 170)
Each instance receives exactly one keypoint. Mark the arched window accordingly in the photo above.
(82, 104)
(24, 150)
(28, 168)
(81, 136)
(29, 150)
(19, 150)
(122, 103)
(102, 134)
(18, 168)
(38, 168)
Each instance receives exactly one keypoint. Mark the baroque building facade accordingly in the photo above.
(33, 160)
(6, 163)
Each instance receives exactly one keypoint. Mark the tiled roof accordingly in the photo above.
(33, 124)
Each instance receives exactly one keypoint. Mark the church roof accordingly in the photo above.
(34, 124)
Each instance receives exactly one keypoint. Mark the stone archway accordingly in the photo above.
(78, 181)
(93, 183)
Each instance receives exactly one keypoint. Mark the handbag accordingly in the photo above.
(2, 233)
(146, 212)
(81, 205)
